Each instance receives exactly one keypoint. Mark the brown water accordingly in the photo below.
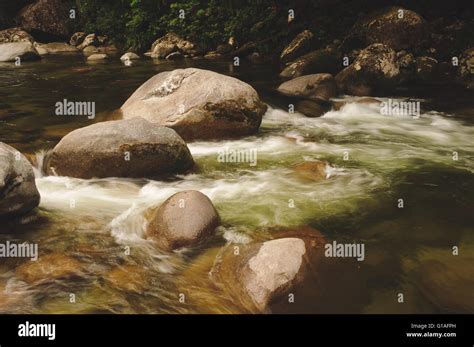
(407, 250)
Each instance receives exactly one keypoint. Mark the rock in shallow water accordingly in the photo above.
(23, 50)
(97, 57)
(15, 35)
(129, 278)
(77, 38)
(448, 285)
(311, 108)
(124, 148)
(316, 86)
(184, 219)
(54, 48)
(313, 170)
(395, 27)
(129, 56)
(198, 104)
(262, 272)
(18, 192)
(89, 40)
(375, 70)
(170, 43)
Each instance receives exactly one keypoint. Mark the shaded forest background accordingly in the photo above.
(135, 24)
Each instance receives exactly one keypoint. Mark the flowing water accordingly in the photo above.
(95, 227)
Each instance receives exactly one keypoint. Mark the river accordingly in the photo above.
(389, 158)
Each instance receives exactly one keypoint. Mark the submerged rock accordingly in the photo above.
(130, 278)
(262, 272)
(375, 70)
(123, 148)
(316, 86)
(198, 104)
(183, 220)
(316, 170)
(48, 267)
(300, 45)
(448, 285)
(446, 280)
(18, 192)
(23, 50)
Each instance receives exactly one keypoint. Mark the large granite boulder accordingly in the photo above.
(18, 192)
(124, 148)
(395, 27)
(198, 104)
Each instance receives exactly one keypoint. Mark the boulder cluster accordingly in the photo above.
(384, 50)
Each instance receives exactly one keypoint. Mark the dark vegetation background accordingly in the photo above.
(135, 24)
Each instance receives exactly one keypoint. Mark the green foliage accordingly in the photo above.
(137, 23)
(127, 22)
